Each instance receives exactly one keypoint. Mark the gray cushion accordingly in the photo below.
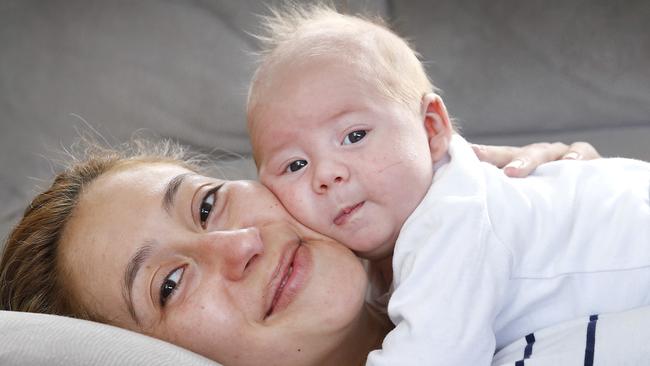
(511, 72)
(525, 69)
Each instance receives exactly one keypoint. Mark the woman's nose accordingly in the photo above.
(238, 250)
(329, 174)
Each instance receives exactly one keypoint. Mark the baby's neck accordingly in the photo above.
(384, 269)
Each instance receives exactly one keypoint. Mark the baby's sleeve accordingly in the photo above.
(449, 288)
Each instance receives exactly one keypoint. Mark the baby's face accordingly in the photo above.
(342, 158)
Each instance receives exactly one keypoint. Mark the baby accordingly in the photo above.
(347, 131)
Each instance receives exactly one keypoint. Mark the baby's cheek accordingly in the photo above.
(277, 190)
(298, 203)
(292, 200)
(307, 213)
(299, 207)
(276, 187)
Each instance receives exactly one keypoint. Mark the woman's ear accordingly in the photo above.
(437, 125)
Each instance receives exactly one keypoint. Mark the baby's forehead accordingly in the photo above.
(295, 78)
(353, 42)
(292, 82)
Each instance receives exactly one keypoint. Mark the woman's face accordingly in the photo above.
(215, 266)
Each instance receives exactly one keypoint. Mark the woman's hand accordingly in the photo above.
(521, 161)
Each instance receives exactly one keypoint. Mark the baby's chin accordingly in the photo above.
(374, 243)
(370, 249)
(375, 255)
(366, 242)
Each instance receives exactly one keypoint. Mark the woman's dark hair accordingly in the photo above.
(32, 277)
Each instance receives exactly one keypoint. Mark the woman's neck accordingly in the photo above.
(370, 330)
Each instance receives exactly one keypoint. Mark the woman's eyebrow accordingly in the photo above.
(131, 271)
(144, 252)
(172, 189)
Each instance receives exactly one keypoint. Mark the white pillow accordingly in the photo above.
(40, 339)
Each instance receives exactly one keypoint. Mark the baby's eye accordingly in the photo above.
(354, 137)
(296, 165)
(170, 284)
(207, 204)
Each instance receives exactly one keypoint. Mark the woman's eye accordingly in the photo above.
(354, 137)
(206, 208)
(296, 165)
(207, 204)
(170, 284)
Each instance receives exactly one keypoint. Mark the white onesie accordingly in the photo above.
(486, 259)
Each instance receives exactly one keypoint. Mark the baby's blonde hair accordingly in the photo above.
(299, 32)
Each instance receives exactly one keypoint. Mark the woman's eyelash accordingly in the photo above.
(170, 284)
(207, 204)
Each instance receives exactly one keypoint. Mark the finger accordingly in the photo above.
(518, 168)
(581, 151)
(495, 155)
(572, 155)
(533, 155)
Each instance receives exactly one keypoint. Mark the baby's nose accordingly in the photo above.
(328, 175)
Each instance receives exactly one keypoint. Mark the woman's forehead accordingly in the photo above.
(118, 207)
(133, 174)
(136, 183)
(122, 201)
(115, 215)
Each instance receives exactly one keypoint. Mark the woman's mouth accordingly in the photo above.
(346, 213)
(290, 279)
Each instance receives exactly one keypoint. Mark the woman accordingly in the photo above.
(142, 240)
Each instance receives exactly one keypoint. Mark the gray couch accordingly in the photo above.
(510, 71)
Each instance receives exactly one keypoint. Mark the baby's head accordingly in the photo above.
(344, 125)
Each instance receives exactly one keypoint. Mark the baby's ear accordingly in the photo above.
(437, 124)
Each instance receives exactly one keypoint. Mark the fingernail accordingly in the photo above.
(572, 156)
(478, 147)
(515, 164)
